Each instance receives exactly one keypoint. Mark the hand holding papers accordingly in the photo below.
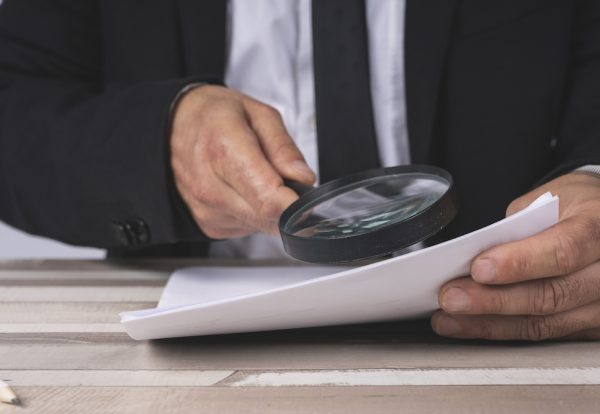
(205, 301)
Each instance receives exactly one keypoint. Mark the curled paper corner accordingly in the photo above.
(543, 199)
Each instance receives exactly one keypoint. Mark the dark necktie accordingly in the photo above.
(345, 126)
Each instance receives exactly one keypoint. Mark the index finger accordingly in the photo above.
(564, 248)
(278, 146)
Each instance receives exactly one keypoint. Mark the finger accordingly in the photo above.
(217, 224)
(221, 226)
(240, 162)
(209, 191)
(276, 143)
(539, 297)
(587, 335)
(559, 250)
(528, 328)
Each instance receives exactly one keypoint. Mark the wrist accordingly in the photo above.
(182, 93)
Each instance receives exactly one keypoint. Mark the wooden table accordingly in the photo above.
(63, 351)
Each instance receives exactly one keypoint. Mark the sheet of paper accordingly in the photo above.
(218, 300)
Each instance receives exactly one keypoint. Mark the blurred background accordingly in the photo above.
(15, 244)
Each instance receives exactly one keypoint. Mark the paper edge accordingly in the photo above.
(128, 316)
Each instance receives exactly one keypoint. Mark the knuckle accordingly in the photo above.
(268, 207)
(538, 328)
(515, 206)
(521, 264)
(566, 253)
(269, 183)
(269, 210)
(498, 302)
(262, 110)
(269, 111)
(205, 195)
(593, 230)
(286, 149)
(551, 296)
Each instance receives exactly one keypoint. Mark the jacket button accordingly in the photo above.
(120, 234)
(140, 231)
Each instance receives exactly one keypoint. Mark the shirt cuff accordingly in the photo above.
(590, 169)
(180, 95)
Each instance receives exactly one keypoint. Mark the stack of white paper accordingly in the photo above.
(217, 300)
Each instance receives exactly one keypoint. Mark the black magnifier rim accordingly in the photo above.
(379, 242)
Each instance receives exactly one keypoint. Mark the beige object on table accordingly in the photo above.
(63, 351)
(7, 395)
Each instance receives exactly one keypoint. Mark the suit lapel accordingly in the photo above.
(203, 33)
(428, 27)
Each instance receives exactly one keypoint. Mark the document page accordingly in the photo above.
(219, 300)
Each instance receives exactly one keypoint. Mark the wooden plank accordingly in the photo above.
(86, 265)
(83, 278)
(80, 276)
(113, 378)
(67, 312)
(89, 338)
(167, 265)
(333, 400)
(116, 351)
(80, 294)
(37, 328)
(59, 326)
(307, 378)
(417, 377)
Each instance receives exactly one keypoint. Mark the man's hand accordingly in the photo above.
(545, 286)
(229, 155)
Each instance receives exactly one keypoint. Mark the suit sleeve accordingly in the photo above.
(578, 140)
(82, 161)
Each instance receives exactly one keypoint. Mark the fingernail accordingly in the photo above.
(484, 270)
(447, 326)
(303, 169)
(456, 300)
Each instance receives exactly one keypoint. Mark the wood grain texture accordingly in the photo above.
(67, 312)
(415, 377)
(117, 351)
(302, 378)
(332, 400)
(41, 328)
(80, 294)
(114, 378)
(151, 265)
(64, 352)
(52, 276)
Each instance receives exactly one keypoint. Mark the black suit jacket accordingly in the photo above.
(502, 93)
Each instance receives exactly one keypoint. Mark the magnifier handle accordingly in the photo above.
(299, 188)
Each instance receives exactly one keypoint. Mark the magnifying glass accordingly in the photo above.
(367, 215)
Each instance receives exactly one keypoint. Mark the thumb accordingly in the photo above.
(278, 146)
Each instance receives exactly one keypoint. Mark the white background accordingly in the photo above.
(15, 244)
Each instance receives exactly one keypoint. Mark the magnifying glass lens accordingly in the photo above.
(367, 205)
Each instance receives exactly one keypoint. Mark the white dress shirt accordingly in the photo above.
(270, 59)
